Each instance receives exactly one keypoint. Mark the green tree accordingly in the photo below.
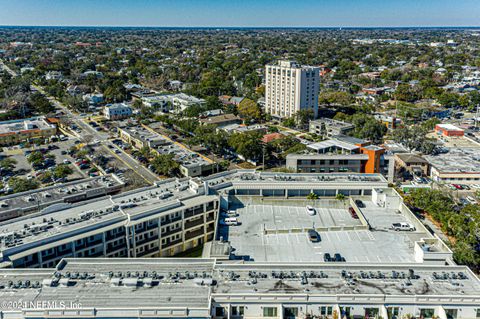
(367, 127)
(249, 110)
(8, 163)
(165, 164)
(22, 185)
(62, 171)
(247, 144)
(35, 158)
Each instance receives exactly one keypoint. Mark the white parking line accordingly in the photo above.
(348, 235)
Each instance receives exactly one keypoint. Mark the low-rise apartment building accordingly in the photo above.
(57, 196)
(162, 220)
(118, 111)
(327, 128)
(171, 102)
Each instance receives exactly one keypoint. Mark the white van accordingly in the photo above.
(231, 221)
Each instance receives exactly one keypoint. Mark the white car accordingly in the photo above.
(310, 210)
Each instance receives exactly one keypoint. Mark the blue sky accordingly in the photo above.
(288, 13)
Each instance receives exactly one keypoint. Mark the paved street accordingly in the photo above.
(101, 137)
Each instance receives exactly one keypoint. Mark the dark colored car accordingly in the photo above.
(313, 236)
(338, 258)
(359, 203)
(327, 257)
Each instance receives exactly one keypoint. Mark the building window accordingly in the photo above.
(238, 311)
(345, 312)
(219, 312)
(427, 313)
(270, 311)
(326, 311)
(393, 312)
(451, 313)
(290, 312)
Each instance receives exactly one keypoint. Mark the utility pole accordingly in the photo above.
(477, 114)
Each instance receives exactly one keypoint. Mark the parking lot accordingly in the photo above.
(58, 149)
(291, 217)
(380, 245)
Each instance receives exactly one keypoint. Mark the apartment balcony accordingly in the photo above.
(171, 232)
(115, 236)
(195, 212)
(153, 250)
(172, 243)
(193, 223)
(146, 240)
(194, 234)
(172, 220)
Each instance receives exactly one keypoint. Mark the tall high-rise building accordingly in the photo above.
(291, 88)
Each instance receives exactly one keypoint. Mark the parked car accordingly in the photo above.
(352, 212)
(310, 210)
(338, 258)
(231, 221)
(313, 236)
(327, 257)
(359, 203)
(403, 227)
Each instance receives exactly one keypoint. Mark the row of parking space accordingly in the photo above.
(292, 217)
(299, 192)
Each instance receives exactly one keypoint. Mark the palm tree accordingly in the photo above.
(312, 196)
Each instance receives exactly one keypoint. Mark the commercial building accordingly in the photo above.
(327, 128)
(448, 130)
(291, 88)
(335, 155)
(16, 131)
(191, 163)
(118, 111)
(458, 166)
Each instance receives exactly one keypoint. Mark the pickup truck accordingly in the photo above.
(403, 226)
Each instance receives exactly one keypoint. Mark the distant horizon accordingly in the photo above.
(244, 27)
(241, 13)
